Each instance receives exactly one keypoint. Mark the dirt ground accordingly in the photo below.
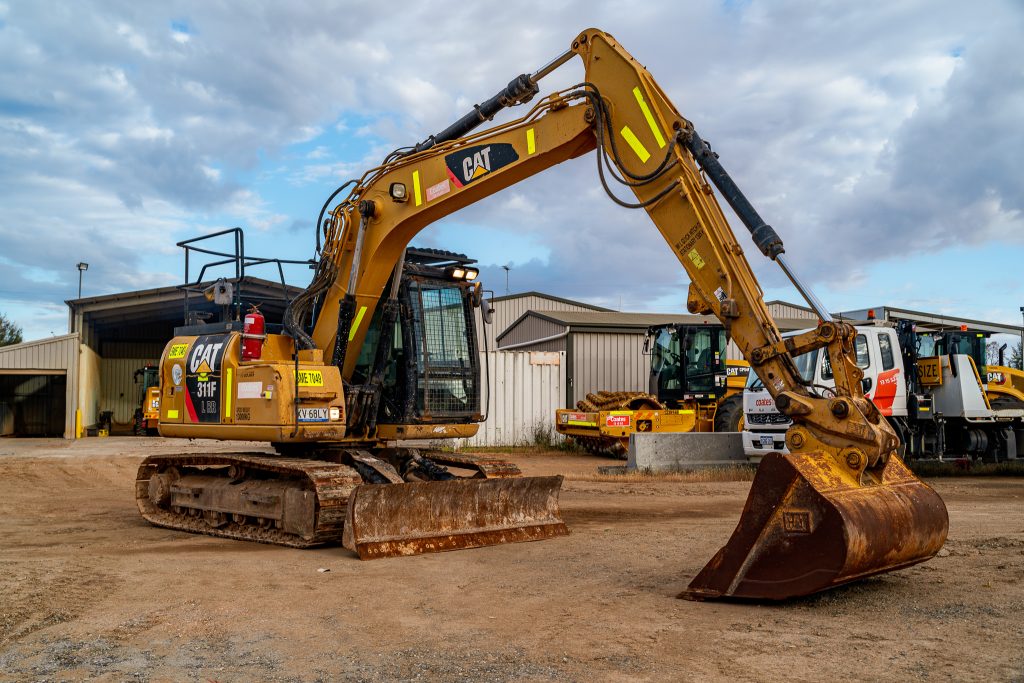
(88, 590)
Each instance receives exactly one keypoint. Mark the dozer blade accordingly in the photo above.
(385, 520)
(808, 525)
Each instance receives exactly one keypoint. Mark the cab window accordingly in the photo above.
(885, 348)
(860, 345)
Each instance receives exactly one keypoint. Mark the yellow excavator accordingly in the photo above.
(361, 365)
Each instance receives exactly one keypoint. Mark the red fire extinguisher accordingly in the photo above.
(253, 335)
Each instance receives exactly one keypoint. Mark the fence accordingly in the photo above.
(525, 389)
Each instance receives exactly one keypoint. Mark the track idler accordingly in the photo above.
(809, 524)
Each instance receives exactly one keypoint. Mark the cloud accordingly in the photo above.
(860, 133)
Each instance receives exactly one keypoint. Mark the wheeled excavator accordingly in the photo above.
(839, 506)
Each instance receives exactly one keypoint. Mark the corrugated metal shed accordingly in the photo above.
(509, 309)
(39, 387)
(604, 349)
(38, 357)
(784, 310)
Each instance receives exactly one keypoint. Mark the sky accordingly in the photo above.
(883, 141)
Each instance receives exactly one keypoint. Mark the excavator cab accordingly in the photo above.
(432, 367)
(147, 415)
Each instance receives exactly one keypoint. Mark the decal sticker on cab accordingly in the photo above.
(202, 378)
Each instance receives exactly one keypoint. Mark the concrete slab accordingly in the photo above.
(668, 452)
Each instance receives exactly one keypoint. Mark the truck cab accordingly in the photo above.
(939, 408)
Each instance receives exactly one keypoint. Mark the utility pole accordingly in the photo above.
(508, 267)
(82, 267)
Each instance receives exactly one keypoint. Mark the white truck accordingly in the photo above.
(936, 404)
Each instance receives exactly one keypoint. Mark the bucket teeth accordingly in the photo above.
(808, 526)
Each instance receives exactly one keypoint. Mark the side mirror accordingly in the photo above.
(866, 384)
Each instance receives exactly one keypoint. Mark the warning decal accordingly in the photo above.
(177, 351)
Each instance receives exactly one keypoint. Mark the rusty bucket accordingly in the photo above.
(809, 525)
(385, 520)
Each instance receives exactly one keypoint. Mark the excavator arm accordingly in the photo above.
(841, 505)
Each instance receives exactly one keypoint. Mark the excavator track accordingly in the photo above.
(312, 501)
(324, 488)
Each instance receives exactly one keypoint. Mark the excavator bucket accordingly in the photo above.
(386, 520)
(808, 525)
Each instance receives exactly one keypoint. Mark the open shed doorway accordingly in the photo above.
(33, 404)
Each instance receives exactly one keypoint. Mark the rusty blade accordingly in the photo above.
(808, 526)
(385, 520)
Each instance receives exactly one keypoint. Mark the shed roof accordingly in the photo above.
(627, 323)
(550, 297)
(930, 321)
(152, 314)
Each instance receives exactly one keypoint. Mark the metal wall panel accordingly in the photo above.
(782, 310)
(732, 352)
(56, 353)
(532, 328)
(507, 311)
(118, 391)
(522, 400)
(609, 362)
(132, 350)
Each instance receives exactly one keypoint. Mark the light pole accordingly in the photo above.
(508, 267)
(82, 267)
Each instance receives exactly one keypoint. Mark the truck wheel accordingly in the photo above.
(729, 416)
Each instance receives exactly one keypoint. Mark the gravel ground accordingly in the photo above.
(88, 590)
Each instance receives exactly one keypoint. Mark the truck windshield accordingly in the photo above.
(804, 365)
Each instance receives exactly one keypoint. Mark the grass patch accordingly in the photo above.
(710, 474)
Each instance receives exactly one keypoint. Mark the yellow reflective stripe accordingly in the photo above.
(359, 319)
(172, 414)
(227, 394)
(582, 424)
(620, 412)
(650, 118)
(415, 192)
(635, 143)
(531, 142)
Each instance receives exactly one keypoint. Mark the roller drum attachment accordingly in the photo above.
(809, 525)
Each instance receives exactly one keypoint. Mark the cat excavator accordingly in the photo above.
(373, 353)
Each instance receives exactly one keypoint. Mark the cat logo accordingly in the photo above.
(471, 163)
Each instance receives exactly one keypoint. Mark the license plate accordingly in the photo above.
(312, 414)
(767, 441)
